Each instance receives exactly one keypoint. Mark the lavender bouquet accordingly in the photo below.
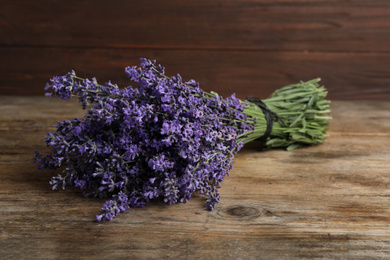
(167, 138)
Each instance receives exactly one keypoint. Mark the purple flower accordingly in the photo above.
(62, 86)
(163, 138)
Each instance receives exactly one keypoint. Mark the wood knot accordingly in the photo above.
(242, 211)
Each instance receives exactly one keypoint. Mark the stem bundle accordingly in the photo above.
(304, 114)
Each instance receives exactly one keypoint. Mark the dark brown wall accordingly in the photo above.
(245, 46)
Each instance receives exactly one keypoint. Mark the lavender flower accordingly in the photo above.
(164, 138)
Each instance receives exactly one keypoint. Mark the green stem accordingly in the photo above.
(302, 108)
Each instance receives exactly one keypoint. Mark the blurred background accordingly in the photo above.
(247, 47)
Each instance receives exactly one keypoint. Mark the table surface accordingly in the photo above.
(330, 201)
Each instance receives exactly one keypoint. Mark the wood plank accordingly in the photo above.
(25, 71)
(329, 201)
(302, 25)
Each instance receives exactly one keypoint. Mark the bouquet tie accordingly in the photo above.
(269, 115)
(168, 139)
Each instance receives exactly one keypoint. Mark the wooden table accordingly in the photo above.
(331, 201)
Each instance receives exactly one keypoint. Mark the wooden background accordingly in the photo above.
(250, 47)
(325, 202)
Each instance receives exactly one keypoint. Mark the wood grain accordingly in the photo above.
(226, 72)
(250, 45)
(303, 25)
(329, 201)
